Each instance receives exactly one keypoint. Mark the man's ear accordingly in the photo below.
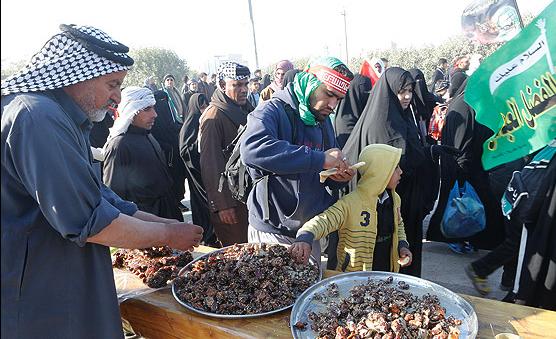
(222, 84)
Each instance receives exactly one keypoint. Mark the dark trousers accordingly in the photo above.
(504, 254)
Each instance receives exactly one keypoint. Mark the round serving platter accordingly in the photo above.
(228, 316)
(307, 302)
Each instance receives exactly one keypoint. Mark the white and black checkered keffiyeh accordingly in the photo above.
(233, 70)
(76, 54)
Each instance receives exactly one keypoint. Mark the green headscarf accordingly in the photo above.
(306, 83)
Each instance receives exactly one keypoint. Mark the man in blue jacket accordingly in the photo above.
(288, 192)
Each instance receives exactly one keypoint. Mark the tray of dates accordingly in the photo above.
(244, 281)
(376, 304)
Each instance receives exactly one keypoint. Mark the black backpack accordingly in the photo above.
(235, 173)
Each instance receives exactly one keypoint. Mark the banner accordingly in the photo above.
(514, 92)
(490, 21)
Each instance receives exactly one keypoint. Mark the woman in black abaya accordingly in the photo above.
(387, 119)
(462, 131)
(423, 99)
(350, 107)
(190, 154)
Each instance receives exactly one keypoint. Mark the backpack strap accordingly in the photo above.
(291, 113)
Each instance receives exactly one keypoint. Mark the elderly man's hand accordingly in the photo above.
(184, 236)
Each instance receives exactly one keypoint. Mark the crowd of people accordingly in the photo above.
(86, 166)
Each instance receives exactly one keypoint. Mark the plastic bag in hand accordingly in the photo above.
(464, 215)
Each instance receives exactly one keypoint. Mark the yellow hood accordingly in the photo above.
(380, 163)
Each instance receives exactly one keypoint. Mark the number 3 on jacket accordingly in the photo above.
(366, 218)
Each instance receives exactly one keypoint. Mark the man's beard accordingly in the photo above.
(97, 115)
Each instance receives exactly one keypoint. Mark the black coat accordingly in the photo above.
(438, 74)
(135, 169)
(462, 131)
(166, 131)
(189, 153)
(537, 211)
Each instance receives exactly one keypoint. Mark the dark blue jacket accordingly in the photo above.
(295, 193)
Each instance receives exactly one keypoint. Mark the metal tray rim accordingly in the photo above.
(234, 316)
(378, 275)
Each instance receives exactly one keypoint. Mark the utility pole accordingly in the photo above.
(254, 37)
(345, 35)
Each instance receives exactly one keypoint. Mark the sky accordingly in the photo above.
(202, 29)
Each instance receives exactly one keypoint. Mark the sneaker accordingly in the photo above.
(468, 248)
(510, 298)
(480, 284)
(457, 247)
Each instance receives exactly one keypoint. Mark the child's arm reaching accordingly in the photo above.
(300, 251)
(319, 226)
(406, 257)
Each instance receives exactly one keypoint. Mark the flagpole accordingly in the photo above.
(345, 36)
(254, 37)
(518, 14)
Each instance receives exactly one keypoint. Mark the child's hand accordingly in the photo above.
(405, 257)
(300, 251)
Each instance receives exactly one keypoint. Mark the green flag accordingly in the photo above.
(514, 92)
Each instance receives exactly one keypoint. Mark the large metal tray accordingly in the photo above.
(454, 304)
(229, 316)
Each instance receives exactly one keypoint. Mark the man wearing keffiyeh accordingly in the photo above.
(219, 125)
(58, 218)
(294, 191)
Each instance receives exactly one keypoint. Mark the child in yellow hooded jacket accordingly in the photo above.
(368, 220)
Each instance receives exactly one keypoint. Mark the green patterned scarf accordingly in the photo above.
(305, 84)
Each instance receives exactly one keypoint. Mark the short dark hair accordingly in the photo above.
(203, 74)
(459, 58)
(384, 60)
(442, 61)
(343, 70)
(257, 70)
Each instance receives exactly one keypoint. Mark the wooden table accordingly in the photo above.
(158, 315)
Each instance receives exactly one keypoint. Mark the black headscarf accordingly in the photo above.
(289, 76)
(423, 100)
(383, 120)
(455, 82)
(351, 107)
(266, 81)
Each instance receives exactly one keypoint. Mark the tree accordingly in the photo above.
(11, 68)
(158, 62)
(426, 58)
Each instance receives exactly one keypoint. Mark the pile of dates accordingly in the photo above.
(245, 279)
(156, 266)
(380, 309)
